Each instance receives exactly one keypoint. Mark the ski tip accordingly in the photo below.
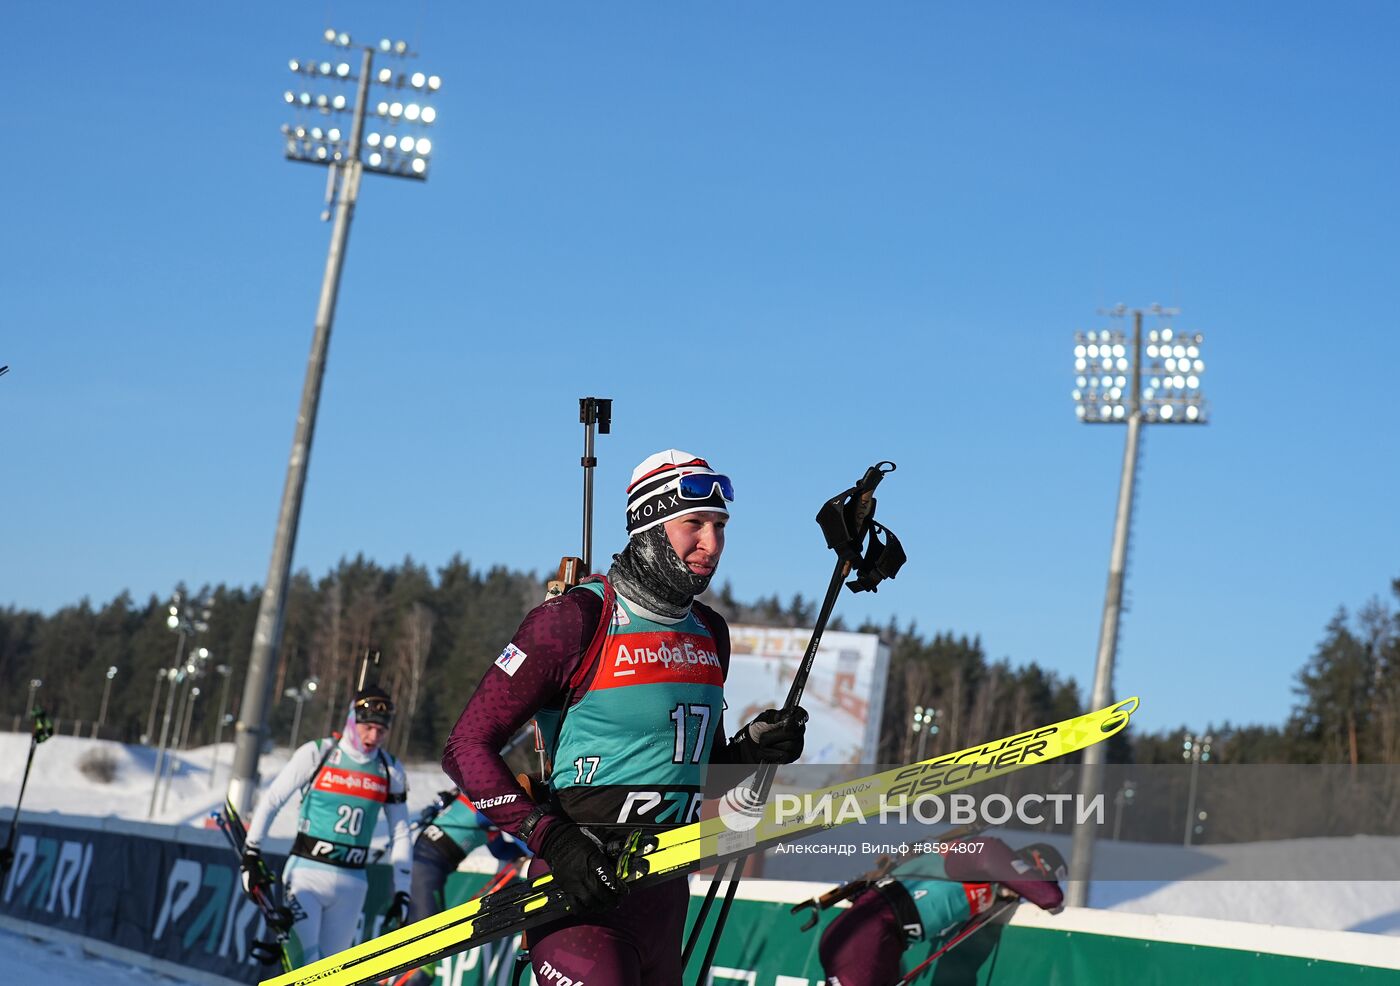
(1118, 715)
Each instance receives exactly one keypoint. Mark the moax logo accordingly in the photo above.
(654, 508)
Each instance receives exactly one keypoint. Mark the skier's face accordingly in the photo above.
(371, 735)
(698, 540)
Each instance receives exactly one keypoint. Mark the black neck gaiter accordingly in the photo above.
(648, 572)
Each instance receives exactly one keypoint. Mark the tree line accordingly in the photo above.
(439, 631)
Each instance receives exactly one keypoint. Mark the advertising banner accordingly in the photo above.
(845, 693)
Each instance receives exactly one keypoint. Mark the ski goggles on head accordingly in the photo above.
(374, 710)
(702, 486)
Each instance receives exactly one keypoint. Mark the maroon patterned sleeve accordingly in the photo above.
(532, 673)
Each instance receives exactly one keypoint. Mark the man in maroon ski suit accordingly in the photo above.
(625, 678)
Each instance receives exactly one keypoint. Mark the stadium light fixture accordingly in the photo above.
(320, 101)
(1119, 380)
(186, 617)
(1195, 751)
(1167, 371)
(331, 106)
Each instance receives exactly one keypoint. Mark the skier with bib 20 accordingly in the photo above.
(625, 676)
(343, 784)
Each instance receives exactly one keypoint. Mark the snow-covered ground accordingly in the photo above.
(59, 784)
(30, 961)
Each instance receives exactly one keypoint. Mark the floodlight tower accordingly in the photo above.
(1195, 750)
(1116, 382)
(396, 145)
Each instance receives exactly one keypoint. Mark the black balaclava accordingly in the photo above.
(648, 571)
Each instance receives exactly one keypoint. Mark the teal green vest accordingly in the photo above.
(943, 906)
(633, 750)
(340, 808)
(459, 823)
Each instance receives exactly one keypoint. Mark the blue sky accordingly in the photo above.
(793, 237)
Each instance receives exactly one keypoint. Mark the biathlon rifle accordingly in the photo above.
(885, 864)
(593, 412)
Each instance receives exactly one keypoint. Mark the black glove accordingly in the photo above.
(772, 737)
(7, 859)
(256, 878)
(581, 868)
(396, 915)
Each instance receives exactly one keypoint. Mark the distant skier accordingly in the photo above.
(343, 786)
(452, 829)
(865, 944)
(447, 839)
(630, 700)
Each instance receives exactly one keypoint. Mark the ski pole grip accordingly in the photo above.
(865, 494)
(873, 475)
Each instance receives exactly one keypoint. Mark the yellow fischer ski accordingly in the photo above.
(690, 847)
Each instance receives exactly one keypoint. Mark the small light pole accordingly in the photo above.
(194, 670)
(225, 672)
(397, 145)
(909, 734)
(301, 696)
(1122, 799)
(1195, 750)
(150, 734)
(189, 717)
(106, 692)
(925, 726)
(1118, 382)
(185, 619)
(184, 730)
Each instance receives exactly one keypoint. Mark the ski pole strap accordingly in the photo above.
(847, 521)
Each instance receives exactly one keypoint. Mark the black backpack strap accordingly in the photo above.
(390, 798)
(330, 748)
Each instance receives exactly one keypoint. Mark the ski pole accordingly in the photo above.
(846, 521)
(968, 930)
(274, 916)
(43, 729)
